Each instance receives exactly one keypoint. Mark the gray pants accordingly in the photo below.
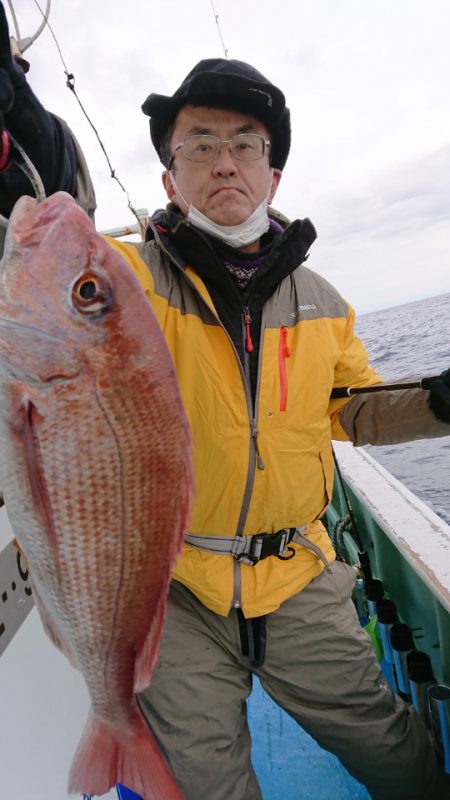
(319, 667)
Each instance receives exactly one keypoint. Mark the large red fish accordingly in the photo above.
(95, 470)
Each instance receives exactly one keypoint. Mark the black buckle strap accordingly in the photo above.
(253, 638)
(263, 545)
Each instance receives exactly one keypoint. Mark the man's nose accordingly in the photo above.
(224, 163)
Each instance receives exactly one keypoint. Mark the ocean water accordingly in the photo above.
(413, 341)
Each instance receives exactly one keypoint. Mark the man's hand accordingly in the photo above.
(439, 400)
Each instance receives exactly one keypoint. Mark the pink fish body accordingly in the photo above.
(95, 470)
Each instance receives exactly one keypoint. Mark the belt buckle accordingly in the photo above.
(247, 556)
(263, 545)
(285, 553)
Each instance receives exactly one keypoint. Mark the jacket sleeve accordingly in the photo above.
(47, 143)
(381, 418)
(52, 148)
(390, 418)
(352, 368)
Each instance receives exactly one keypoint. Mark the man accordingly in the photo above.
(258, 342)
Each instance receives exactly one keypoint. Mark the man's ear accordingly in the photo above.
(168, 185)
(276, 178)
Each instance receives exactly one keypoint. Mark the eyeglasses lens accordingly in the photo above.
(244, 147)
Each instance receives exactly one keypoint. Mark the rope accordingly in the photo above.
(336, 534)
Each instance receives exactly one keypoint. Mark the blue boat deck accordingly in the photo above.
(289, 763)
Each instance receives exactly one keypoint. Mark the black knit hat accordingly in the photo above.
(230, 84)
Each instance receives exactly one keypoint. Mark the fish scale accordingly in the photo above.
(97, 472)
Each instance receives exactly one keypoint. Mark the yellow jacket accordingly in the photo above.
(275, 470)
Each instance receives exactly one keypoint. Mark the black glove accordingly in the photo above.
(439, 400)
(39, 133)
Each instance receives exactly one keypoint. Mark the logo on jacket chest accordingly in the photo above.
(305, 307)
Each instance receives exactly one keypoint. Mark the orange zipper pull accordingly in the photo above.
(286, 348)
(248, 337)
(284, 352)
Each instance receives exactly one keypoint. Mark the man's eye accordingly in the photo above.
(203, 147)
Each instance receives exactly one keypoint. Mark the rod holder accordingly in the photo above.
(439, 698)
(402, 643)
(374, 592)
(421, 679)
(387, 616)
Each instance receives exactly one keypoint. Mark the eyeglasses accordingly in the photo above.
(202, 148)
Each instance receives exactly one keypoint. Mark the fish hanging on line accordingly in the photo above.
(96, 473)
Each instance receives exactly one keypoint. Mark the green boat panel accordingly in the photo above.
(408, 546)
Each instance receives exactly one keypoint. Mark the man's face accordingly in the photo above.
(226, 190)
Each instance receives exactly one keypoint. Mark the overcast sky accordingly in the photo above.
(367, 85)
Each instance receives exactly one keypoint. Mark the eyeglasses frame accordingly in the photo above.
(266, 144)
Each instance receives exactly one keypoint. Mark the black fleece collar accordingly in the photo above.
(189, 246)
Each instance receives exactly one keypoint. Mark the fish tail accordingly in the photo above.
(107, 755)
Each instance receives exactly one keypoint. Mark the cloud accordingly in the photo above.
(405, 200)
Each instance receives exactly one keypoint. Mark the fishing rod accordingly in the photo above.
(24, 43)
(349, 391)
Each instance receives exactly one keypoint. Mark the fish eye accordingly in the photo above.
(90, 294)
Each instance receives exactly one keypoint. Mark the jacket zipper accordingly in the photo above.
(254, 454)
(255, 458)
(248, 336)
(284, 352)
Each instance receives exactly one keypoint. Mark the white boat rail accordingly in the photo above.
(128, 230)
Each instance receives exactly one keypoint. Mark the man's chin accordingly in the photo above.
(229, 217)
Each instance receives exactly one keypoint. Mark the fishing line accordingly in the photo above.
(70, 83)
(216, 17)
(28, 168)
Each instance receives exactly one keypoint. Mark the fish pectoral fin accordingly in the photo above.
(146, 657)
(52, 631)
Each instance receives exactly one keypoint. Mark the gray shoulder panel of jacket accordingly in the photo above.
(170, 283)
(391, 418)
(304, 295)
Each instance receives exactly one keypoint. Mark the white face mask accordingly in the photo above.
(236, 236)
